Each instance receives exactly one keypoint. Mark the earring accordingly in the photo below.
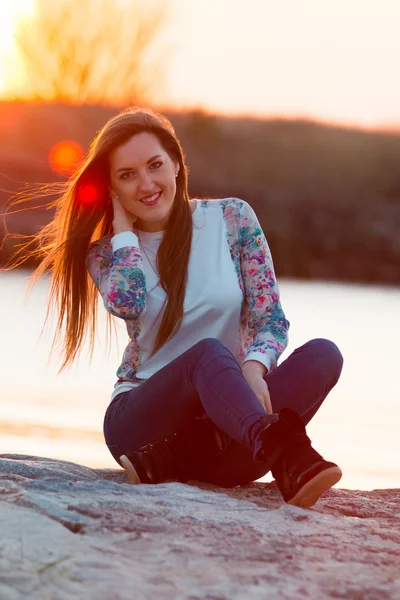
(176, 174)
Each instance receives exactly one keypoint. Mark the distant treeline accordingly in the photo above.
(327, 198)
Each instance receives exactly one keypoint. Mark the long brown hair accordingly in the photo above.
(62, 244)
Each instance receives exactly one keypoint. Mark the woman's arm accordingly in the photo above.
(116, 267)
(267, 322)
(254, 366)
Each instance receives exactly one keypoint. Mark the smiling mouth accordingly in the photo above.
(151, 199)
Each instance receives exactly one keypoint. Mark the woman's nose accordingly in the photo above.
(145, 181)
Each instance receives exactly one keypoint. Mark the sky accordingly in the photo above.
(330, 60)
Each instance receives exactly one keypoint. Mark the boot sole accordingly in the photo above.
(130, 469)
(310, 492)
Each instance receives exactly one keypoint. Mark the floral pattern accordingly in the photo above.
(264, 327)
(119, 277)
(263, 331)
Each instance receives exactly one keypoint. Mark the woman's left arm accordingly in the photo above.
(267, 322)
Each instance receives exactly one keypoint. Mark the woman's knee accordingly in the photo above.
(209, 343)
(210, 347)
(326, 356)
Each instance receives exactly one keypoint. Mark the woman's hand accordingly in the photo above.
(123, 219)
(260, 388)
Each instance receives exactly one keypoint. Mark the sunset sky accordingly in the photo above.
(331, 60)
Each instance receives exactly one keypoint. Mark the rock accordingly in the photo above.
(73, 532)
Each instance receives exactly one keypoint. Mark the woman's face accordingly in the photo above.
(140, 169)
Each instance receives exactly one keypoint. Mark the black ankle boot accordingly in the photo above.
(153, 463)
(169, 459)
(301, 474)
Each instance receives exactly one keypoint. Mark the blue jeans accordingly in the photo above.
(207, 381)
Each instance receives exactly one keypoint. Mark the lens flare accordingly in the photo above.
(87, 194)
(65, 156)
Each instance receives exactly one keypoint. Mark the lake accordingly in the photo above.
(62, 416)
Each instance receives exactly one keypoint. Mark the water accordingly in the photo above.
(62, 416)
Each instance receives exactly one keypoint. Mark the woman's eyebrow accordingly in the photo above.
(130, 168)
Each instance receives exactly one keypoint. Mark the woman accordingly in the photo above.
(199, 394)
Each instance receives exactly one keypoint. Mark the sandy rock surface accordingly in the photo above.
(68, 531)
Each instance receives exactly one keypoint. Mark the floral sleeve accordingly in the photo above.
(267, 322)
(119, 277)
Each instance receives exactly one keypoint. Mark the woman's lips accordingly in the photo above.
(156, 199)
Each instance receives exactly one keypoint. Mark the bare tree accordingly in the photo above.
(98, 51)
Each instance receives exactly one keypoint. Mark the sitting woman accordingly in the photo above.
(199, 395)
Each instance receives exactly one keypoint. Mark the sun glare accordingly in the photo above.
(65, 156)
(10, 13)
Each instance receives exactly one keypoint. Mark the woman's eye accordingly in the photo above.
(129, 174)
(126, 175)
